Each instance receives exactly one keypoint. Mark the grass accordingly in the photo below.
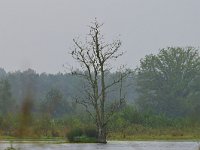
(84, 139)
(152, 137)
(111, 137)
(47, 140)
(138, 132)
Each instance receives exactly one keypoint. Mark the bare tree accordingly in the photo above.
(94, 57)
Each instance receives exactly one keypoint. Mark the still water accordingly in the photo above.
(112, 145)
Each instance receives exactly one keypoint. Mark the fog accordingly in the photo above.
(38, 34)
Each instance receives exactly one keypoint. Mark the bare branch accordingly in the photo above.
(94, 57)
(86, 105)
(120, 79)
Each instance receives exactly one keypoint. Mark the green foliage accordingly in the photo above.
(131, 116)
(54, 105)
(91, 132)
(8, 124)
(6, 102)
(168, 86)
(82, 135)
(167, 81)
(77, 132)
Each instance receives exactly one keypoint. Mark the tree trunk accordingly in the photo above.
(101, 135)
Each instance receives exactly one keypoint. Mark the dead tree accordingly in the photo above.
(95, 57)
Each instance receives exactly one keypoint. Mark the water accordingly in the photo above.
(117, 145)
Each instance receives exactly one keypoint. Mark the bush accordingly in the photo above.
(82, 135)
(73, 134)
(91, 132)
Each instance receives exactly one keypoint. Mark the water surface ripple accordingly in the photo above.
(112, 145)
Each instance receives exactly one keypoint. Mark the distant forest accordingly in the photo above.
(44, 88)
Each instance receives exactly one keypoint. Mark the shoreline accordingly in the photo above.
(62, 141)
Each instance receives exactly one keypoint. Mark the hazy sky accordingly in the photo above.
(37, 34)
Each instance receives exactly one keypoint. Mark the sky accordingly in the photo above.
(38, 34)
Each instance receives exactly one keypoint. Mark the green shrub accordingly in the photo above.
(73, 134)
(82, 135)
(91, 132)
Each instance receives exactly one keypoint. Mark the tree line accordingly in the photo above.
(44, 89)
(164, 84)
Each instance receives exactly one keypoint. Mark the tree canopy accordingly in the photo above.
(167, 80)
